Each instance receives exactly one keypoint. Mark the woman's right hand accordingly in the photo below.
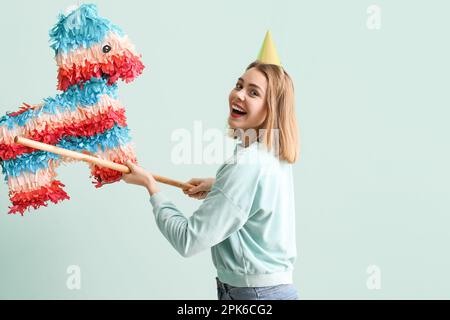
(201, 188)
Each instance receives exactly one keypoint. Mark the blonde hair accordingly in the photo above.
(281, 114)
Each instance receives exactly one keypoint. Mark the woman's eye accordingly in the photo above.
(107, 48)
(254, 93)
(238, 86)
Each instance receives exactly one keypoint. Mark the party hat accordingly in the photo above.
(268, 53)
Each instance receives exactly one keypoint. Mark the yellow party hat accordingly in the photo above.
(268, 53)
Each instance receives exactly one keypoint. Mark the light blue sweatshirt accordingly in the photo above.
(247, 219)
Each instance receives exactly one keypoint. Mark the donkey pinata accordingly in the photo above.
(92, 54)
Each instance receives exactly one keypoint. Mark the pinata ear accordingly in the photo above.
(74, 14)
(72, 8)
(72, 21)
(80, 27)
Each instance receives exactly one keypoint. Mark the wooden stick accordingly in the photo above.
(92, 159)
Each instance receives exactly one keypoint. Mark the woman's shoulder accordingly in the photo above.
(259, 155)
(251, 160)
(249, 169)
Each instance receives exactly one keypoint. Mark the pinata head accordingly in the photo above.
(89, 46)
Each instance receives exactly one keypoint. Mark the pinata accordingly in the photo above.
(92, 54)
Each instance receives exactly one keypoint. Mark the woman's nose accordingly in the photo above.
(240, 95)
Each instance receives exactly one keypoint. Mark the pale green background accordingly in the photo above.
(372, 186)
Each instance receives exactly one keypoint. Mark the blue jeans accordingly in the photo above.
(279, 292)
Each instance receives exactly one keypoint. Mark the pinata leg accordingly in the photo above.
(121, 155)
(33, 190)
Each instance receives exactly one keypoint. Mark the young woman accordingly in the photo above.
(247, 217)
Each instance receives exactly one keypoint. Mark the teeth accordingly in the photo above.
(238, 108)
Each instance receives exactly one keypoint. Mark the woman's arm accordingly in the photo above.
(224, 211)
(202, 186)
(140, 177)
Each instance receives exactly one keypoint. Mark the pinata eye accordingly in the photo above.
(106, 49)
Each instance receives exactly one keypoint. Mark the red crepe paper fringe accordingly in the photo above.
(87, 128)
(102, 176)
(37, 198)
(127, 67)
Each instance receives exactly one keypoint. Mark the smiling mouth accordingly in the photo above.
(237, 112)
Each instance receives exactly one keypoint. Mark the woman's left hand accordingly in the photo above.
(139, 176)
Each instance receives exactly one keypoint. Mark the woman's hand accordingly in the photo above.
(140, 177)
(201, 188)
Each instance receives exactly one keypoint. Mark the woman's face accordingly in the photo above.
(248, 107)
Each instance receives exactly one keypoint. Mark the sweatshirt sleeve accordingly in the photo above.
(224, 211)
